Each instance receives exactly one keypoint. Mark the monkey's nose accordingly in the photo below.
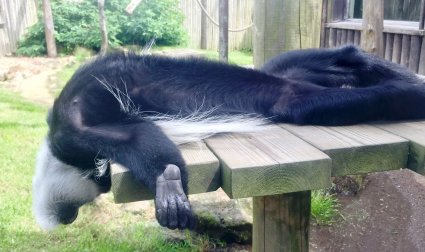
(67, 213)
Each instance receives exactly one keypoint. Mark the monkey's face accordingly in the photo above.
(59, 190)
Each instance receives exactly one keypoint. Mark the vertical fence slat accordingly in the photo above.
(405, 50)
(389, 42)
(397, 48)
(415, 46)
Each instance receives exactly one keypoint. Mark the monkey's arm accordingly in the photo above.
(153, 159)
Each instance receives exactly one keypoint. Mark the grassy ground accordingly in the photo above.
(98, 228)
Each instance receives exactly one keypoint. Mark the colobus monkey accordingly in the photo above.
(134, 110)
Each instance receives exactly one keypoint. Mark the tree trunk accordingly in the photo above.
(103, 31)
(49, 29)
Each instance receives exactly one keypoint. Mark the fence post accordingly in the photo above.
(223, 30)
(372, 39)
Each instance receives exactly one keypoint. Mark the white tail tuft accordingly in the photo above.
(199, 126)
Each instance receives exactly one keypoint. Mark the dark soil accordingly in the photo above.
(387, 215)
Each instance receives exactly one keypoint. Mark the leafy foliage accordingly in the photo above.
(77, 24)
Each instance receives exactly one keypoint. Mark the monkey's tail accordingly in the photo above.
(201, 125)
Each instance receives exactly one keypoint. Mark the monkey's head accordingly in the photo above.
(59, 189)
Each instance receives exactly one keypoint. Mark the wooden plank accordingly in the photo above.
(223, 19)
(203, 171)
(273, 161)
(396, 58)
(415, 51)
(344, 37)
(310, 23)
(350, 37)
(282, 222)
(357, 38)
(356, 149)
(405, 50)
(390, 26)
(415, 133)
(338, 37)
(373, 26)
(421, 69)
(389, 46)
(332, 38)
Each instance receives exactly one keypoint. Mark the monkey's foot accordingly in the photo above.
(171, 204)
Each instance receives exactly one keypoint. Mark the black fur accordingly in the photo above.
(302, 87)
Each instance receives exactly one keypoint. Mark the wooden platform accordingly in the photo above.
(279, 167)
(287, 158)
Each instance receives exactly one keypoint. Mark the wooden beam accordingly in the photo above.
(132, 6)
(204, 26)
(203, 171)
(272, 161)
(422, 15)
(415, 133)
(356, 149)
(373, 25)
(281, 222)
(223, 19)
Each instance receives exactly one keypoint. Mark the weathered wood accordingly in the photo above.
(102, 24)
(422, 58)
(405, 50)
(422, 15)
(338, 37)
(49, 29)
(204, 21)
(396, 58)
(357, 37)
(132, 6)
(372, 28)
(356, 149)
(324, 20)
(344, 37)
(390, 26)
(202, 166)
(350, 37)
(415, 133)
(415, 51)
(310, 23)
(389, 42)
(291, 22)
(332, 38)
(223, 19)
(273, 161)
(281, 222)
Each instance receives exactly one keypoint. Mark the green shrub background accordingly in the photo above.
(77, 25)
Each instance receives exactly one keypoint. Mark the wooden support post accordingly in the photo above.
(422, 16)
(373, 25)
(223, 30)
(281, 222)
(49, 29)
(204, 26)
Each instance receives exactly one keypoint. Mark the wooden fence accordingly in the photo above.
(240, 16)
(15, 17)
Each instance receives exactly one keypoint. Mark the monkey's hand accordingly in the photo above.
(172, 207)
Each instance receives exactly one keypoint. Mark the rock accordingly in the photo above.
(222, 218)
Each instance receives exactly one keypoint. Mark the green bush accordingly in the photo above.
(77, 25)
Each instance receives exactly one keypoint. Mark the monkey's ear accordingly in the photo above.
(49, 116)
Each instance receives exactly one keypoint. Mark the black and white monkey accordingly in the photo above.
(135, 110)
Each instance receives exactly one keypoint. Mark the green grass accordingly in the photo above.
(99, 227)
(324, 207)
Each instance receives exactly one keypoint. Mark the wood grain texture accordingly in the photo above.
(273, 161)
(415, 133)
(281, 222)
(373, 26)
(356, 149)
(202, 167)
